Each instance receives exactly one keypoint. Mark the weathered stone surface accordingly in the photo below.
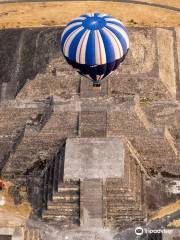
(88, 158)
(141, 57)
(165, 43)
(148, 88)
(91, 203)
(172, 234)
(177, 52)
(93, 123)
(61, 125)
(87, 89)
(25, 55)
(14, 125)
(122, 120)
(161, 113)
(63, 84)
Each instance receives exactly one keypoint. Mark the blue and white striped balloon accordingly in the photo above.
(95, 44)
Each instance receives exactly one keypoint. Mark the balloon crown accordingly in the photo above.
(94, 23)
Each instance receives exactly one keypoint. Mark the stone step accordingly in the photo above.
(69, 188)
(116, 191)
(64, 206)
(62, 211)
(127, 221)
(67, 192)
(62, 219)
(61, 214)
(124, 206)
(123, 211)
(70, 182)
(118, 220)
(120, 197)
(65, 198)
(48, 216)
(122, 219)
(119, 192)
(63, 224)
(124, 201)
(122, 189)
(123, 223)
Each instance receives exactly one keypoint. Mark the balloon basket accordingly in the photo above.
(96, 85)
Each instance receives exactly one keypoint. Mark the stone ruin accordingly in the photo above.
(85, 157)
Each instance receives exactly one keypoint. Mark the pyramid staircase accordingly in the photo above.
(124, 197)
(64, 208)
(123, 209)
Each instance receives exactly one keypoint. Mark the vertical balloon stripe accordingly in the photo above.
(97, 52)
(116, 44)
(122, 40)
(109, 49)
(102, 48)
(99, 45)
(114, 20)
(66, 34)
(82, 54)
(69, 28)
(81, 49)
(121, 31)
(69, 40)
(90, 49)
(74, 45)
(118, 23)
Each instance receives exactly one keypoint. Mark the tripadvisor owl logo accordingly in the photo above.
(139, 231)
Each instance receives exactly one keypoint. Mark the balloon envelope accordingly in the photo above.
(95, 44)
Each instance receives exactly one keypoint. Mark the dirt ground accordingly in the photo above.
(20, 15)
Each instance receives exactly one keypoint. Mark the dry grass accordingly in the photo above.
(11, 214)
(59, 13)
(164, 211)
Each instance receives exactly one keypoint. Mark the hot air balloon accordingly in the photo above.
(95, 44)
